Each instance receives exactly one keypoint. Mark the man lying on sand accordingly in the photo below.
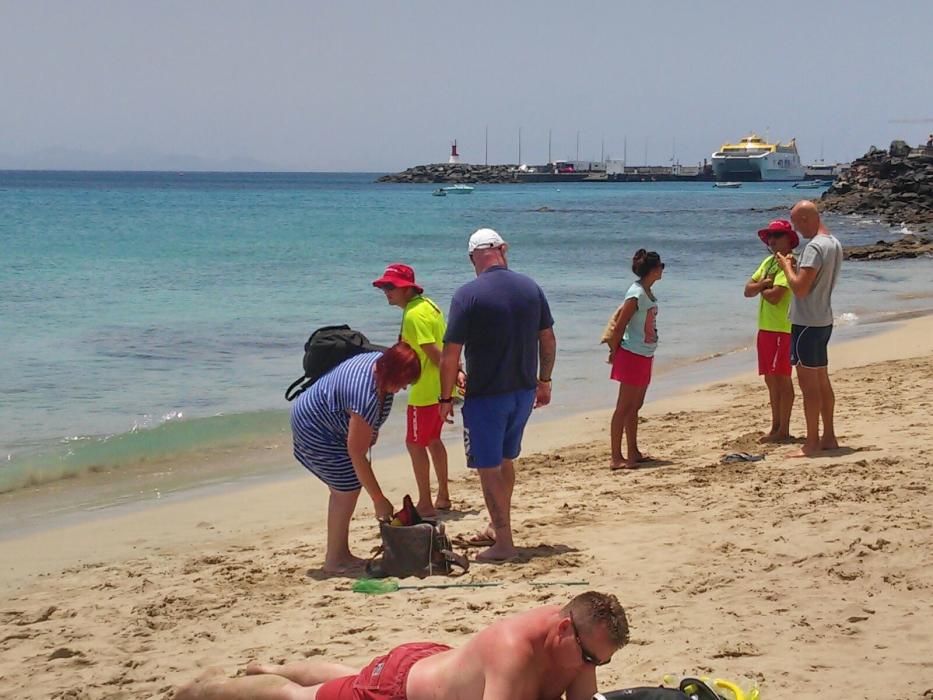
(547, 652)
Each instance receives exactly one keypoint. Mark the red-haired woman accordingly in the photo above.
(335, 422)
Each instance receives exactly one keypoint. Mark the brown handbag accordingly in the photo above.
(414, 550)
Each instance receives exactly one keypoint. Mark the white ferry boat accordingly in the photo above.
(752, 158)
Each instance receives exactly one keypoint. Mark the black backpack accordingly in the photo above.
(688, 689)
(326, 348)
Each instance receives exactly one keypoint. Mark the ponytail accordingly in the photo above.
(644, 262)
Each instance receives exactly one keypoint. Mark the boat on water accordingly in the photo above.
(439, 192)
(754, 159)
(812, 184)
(458, 189)
(729, 185)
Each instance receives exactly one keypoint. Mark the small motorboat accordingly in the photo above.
(812, 184)
(439, 192)
(458, 189)
(727, 185)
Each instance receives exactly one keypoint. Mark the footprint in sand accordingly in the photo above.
(64, 653)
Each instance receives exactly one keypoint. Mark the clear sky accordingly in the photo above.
(380, 85)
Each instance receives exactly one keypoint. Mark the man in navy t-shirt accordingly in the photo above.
(503, 323)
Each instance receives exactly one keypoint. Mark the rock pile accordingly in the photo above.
(896, 184)
(906, 247)
(455, 173)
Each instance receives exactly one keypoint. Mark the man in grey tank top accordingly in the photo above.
(811, 317)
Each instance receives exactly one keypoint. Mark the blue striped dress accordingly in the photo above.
(321, 419)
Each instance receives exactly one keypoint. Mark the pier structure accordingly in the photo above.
(605, 170)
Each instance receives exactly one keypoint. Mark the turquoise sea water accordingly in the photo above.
(144, 315)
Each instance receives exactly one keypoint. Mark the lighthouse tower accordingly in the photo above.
(454, 156)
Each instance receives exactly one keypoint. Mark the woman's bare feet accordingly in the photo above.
(632, 462)
(344, 565)
(442, 503)
(829, 443)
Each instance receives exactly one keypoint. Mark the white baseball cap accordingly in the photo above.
(485, 238)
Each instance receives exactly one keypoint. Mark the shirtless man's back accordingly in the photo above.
(542, 654)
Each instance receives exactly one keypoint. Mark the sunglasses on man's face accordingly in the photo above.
(587, 657)
(387, 287)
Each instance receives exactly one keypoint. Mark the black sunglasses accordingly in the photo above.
(387, 286)
(588, 658)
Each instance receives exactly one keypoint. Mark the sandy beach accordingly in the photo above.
(812, 577)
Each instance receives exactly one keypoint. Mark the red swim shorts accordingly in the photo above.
(774, 353)
(631, 368)
(385, 678)
(424, 425)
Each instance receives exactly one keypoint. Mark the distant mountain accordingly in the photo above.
(63, 158)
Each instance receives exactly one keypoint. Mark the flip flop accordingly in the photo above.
(477, 539)
(741, 457)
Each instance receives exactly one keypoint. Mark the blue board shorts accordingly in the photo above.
(808, 346)
(493, 426)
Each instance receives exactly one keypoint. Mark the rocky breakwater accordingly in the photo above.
(906, 247)
(896, 185)
(449, 173)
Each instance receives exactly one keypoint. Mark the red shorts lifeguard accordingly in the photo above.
(424, 425)
(774, 353)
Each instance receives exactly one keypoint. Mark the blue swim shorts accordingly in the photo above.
(809, 346)
(493, 426)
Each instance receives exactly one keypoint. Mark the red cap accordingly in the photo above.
(780, 226)
(398, 275)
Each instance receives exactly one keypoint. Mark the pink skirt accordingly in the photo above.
(631, 368)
